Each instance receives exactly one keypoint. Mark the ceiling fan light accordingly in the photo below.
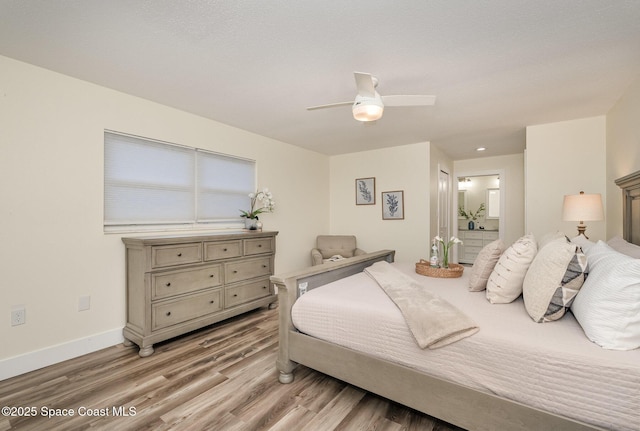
(367, 109)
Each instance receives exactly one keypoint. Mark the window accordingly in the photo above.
(152, 183)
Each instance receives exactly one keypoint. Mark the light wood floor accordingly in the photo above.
(221, 378)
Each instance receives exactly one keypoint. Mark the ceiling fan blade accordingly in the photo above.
(408, 100)
(365, 84)
(330, 105)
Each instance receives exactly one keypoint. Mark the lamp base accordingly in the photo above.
(581, 229)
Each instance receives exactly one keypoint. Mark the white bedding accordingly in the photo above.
(551, 366)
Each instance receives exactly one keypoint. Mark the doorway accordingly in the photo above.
(479, 204)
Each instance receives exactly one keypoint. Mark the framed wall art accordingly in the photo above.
(365, 191)
(393, 205)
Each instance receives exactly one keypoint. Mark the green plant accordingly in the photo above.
(471, 215)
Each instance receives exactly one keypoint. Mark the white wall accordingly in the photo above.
(399, 168)
(562, 159)
(623, 152)
(512, 181)
(51, 183)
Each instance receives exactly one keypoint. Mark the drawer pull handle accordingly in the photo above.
(224, 249)
(212, 302)
(168, 313)
(179, 254)
(235, 272)
(212, 276)
(168, 284)
(259, 245)
(264, 287)
(264, 266)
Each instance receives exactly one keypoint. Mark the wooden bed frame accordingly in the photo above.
(468, 408)
(630, 186)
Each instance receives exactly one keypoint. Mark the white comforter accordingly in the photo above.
(551, 366)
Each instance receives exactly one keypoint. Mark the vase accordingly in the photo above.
(445, 259)
(251, 223)
(471, 225)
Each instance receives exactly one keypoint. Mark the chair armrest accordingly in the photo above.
(358, 252)
(316, 257)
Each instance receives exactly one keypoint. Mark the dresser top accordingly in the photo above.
(195, 237)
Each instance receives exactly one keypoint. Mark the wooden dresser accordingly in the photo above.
(176, 284)
(472, 243)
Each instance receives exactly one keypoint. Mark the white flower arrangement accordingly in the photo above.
(446, 246)
(264, 199)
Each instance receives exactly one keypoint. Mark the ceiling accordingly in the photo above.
(496, 66)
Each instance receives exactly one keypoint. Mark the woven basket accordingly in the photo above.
(424, 268)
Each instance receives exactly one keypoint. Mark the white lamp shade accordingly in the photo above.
(582, 207)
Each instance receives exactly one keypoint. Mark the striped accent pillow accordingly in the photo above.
(505, 282)
(608, 305)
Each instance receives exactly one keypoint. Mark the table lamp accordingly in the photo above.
(581, 208)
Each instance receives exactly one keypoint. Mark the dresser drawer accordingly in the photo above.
(246, 292)
(473, 243)
(491, 236)
(179, 254)
(248, 269)
(171, 283)
(222, 250)
(473, 235)
(258, 246)
(170, 313)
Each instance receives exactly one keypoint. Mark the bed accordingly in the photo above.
(505, 377)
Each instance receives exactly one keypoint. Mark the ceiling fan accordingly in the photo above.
(369, 105)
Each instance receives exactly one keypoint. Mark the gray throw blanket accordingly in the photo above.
(433, 321)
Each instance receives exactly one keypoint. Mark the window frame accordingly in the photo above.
(195, 223)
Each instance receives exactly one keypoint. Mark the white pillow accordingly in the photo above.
(484, 264)
(608, 305)
(505, 281)
(583, 242)
(624, 247)
(550, 237)
(553, 280)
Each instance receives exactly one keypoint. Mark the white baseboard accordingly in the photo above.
(16, 365)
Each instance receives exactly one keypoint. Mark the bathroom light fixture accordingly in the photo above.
(480, 149)
(463, 183)
(581, 208)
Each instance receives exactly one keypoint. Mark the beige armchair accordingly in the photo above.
(328, 246)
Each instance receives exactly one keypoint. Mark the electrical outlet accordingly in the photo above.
(84, 303)
(302, 288)
(18, 316)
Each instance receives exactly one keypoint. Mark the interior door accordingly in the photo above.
(443, 205)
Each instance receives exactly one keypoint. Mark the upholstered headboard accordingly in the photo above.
(630, 186)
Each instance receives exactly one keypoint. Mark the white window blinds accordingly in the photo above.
(148, 182)
(224, 184)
